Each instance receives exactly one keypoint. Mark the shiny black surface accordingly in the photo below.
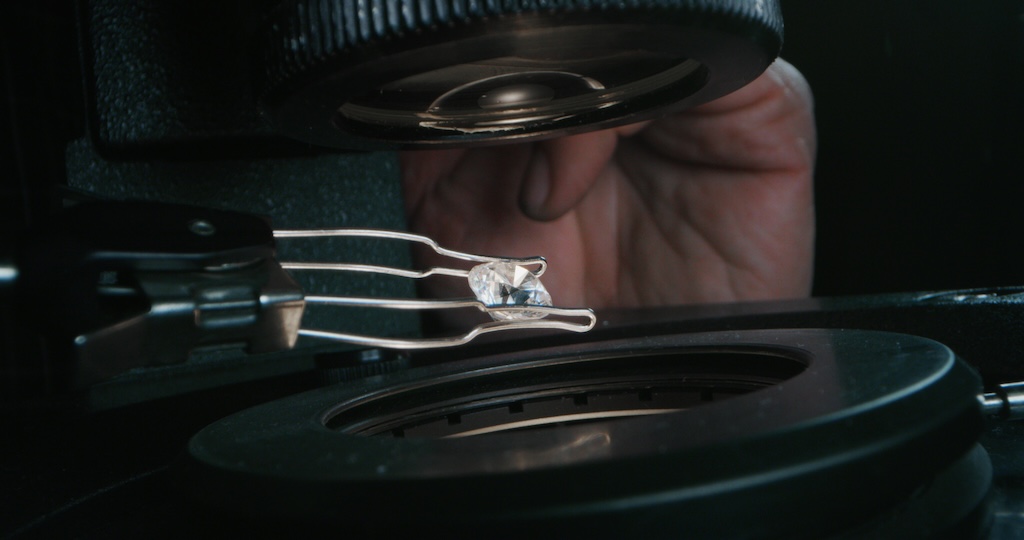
(118, 471)
(917, 187)
(426, 73)
(863, 414)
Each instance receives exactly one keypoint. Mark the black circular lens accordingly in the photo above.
(611, 388)
(509, 97)
(711, 435)
(471, 100)
(450, 74)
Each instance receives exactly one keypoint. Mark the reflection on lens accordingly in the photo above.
(513, 92)
(517, 95)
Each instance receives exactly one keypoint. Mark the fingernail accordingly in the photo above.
(536, 186)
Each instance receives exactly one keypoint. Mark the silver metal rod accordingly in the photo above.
(410, 237)
(8, 275)
(508, 317)
(369, 268)
(1006, 403)
(454, 341)
(396, 303)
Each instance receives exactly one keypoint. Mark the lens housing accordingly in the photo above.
(452, 76)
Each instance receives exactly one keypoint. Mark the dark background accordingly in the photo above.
(919, 107)
(920, 116)
(921, 127)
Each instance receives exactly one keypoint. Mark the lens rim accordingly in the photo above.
(874, 413)
(731, 52)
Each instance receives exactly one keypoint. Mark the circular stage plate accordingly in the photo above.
(752, 434)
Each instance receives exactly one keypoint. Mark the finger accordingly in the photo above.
(421, 170)
(562, 171)
(477, 181)
(779, 76)
(629, 130)
(767, 125)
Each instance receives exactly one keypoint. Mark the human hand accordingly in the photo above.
(710, 204)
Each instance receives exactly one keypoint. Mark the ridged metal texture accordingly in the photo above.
(307, 34)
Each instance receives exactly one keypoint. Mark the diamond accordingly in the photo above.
(508, 284)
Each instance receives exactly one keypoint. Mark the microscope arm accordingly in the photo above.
(126, 285)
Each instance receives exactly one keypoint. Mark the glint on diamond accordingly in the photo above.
(508, 284)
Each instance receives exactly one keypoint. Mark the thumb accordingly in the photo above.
(562, 171)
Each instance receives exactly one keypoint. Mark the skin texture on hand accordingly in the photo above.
(711, 204)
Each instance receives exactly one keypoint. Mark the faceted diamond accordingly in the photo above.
(508, 284)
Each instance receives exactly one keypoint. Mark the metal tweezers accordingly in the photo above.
(544, 316)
